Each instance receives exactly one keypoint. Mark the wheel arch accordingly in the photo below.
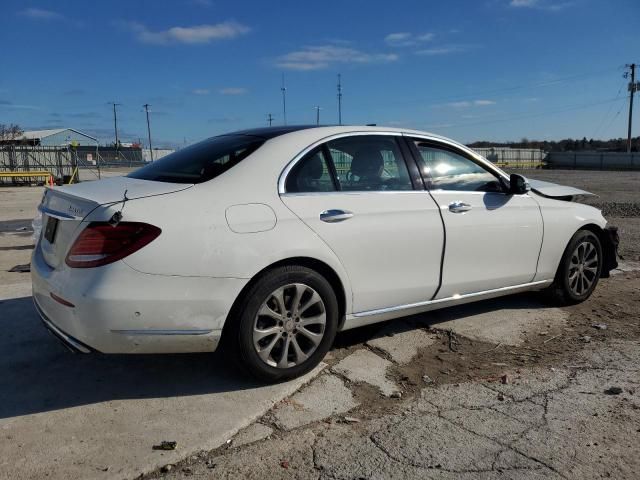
(314, 264)
(608, 244)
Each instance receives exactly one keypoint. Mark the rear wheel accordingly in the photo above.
(579, 269)
(287, 323)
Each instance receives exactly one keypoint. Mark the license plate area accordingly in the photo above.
(51, 229)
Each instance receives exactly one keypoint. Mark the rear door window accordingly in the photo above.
(369, 163)
(201, 162)
(311, 174)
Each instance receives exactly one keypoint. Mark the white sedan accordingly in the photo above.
(272, 240)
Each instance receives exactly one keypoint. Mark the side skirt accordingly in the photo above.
(360, 319)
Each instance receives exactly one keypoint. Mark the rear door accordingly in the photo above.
(493, 237)
(357, 194)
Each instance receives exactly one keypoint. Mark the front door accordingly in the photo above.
(493, 238)
(356, 194)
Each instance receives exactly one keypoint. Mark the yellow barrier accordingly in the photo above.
(28, 174)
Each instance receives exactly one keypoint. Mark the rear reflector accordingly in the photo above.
(101, 243)
(61, 300)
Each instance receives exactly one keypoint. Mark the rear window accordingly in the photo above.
(202, 161)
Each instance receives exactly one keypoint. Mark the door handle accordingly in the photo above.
(335, 215)
(459, 207)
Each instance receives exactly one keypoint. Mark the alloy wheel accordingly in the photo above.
(583, 268)
(289, 325)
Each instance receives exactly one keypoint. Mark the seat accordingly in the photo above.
(367, 165)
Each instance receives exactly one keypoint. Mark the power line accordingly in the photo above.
(539, 114)
(609, 110)
(513, 88)
(613, 119)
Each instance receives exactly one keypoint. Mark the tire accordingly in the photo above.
(579, 270)
(270, 321)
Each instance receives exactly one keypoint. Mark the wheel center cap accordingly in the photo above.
(288, 325)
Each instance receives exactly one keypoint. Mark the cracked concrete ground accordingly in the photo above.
(547, 413)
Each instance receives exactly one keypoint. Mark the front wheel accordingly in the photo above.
(287, 324)
(579, 269)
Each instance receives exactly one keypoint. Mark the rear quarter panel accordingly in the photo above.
(198, 241)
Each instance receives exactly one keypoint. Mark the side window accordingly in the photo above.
(311, 174)
(449, 171)
(369, 163)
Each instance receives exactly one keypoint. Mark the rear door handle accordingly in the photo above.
(335, 215)
(459, 207)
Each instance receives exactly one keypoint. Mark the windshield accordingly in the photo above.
(202, 161)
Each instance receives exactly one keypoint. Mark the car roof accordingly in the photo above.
(268, 133)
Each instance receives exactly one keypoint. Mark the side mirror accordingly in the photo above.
(518, 184)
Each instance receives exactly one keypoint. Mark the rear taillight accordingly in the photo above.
(101, 243)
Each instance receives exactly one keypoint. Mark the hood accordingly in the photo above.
(554, 190)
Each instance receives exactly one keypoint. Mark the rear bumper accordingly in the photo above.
(119, 310)
(74, 345)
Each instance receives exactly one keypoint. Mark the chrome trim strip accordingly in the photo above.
(56, 214)
(162, 332)
(447, 299)
(73, 343)
(356, 192)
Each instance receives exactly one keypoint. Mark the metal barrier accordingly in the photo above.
(594, 160)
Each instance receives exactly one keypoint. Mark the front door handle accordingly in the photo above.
(335, 215)
(459, 207)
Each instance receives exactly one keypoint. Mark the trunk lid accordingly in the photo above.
(64, 208)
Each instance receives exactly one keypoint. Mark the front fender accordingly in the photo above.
(561, 220)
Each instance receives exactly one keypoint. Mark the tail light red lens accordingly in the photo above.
(101, 243)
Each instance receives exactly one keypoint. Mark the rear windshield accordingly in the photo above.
(202, 161)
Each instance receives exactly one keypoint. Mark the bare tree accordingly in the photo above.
(10, 132)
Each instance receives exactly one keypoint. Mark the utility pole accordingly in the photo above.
(146, 109)
(284, 101)
(633, 86)
(269, 118)
(115, 120)
(317, 109)
(339, 101)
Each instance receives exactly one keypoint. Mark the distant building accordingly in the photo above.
(59, 137)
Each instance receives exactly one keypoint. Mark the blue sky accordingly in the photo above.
(486, 69)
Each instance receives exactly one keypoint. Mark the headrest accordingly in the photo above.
(367, 162)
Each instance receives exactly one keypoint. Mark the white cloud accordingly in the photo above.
(550, 5)
(197, 34)
(232, 91)
(322, 56)
(200, 91)
(471, 103)
(406, 39)
(444, 50)
(40, 14)
(523, 3)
